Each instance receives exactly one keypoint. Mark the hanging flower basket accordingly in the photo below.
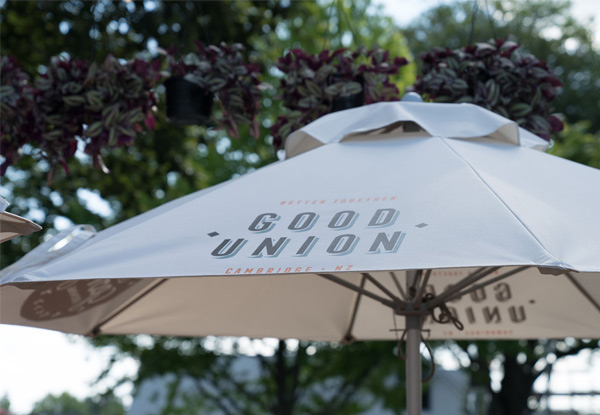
(496, 76)
(17, 121)
(351, 94)
(99, 106)
(218, 72)
(315, 85)
(187, 102)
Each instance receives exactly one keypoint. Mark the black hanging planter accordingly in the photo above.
(346, 102)
(187, 103)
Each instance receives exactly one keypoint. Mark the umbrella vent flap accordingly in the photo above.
(64, 243)
(458, 121)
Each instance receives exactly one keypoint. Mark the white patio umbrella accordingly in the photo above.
(415, 210)
(12, 225)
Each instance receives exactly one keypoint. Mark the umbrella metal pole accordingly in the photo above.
(414, 389)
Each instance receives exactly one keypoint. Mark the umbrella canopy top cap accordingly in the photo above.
(413, 119)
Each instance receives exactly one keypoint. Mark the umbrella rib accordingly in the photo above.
(583, 291)
(412, 290)
(356, 288)
(96, 330)
(381, 287)
(469, 279)
(485, 284)
(422, 288)
(398, 285)
(348, 336)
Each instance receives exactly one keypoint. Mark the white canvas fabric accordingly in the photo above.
(250, 257)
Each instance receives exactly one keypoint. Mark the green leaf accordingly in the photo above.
(94, 129)
(236, 100)
(112, 137)
(52, 135)
(352, 88)
(307, 73)
(126, 131)
(5, 108)
(493, 92)
(539, 72)
(54, 119)
(110, 115)
(74, 100)
(323, 73)
(91, 74)
(314, 88)
(307, 102)
(285, 131)
(43, 83)
(135, 115)
(520, 110)
(6, 90)
(335, 89)
(536, 97)
(502, 111)
(538, 124)
(61, 73)
(73, 87)
(443, 98)
(216, 84)
(240, 70)
(460, 84)
(466, 98)
(195, 79)
(94, 99)
(303, 91)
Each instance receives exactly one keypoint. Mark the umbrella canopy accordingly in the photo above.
(411, 209)
(12, 226)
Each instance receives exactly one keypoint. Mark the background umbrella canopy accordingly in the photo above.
(252, 256)
(12, 226)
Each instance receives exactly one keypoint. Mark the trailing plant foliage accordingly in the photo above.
(16, 110)
(99, 106)
(312, 82)
(496, 76)
(119, 101)
(59, 109)
(222, 71)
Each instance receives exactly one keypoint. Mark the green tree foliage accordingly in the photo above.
(67, 404)
(523, 362)
(4, 404)
(577, 143)
(298, 378)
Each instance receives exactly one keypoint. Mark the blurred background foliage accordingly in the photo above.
(173, 161)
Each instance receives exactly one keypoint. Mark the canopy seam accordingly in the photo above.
(512, 212)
